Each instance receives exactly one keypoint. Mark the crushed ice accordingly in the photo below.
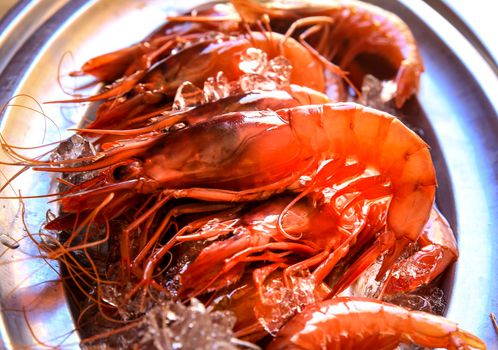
(253, 61)
(426, 298)
(74, 147)
(280, 70)
(366, 285)
(174, 326)
(251, 82)
(280, 302)
(260, 74)
(216, 88)
(378, 94)
(188, 95)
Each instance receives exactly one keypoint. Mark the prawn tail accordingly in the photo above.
(407, 82)
(466, 339)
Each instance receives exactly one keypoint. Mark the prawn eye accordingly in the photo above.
(120, 172)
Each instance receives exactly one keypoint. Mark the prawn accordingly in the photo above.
(151, 90)
(226, 164)
(381, 142)
(358, 29)
(362, 323)
(205, 57)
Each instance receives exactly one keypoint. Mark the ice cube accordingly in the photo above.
(427, 298)
(252, 82)
(366, 285)
(253, 61)
(335, 88)
(389, 88)
(73, 148)
(280, 302)
(410, 301)
(279, 70)
(187, 95)
(176, 326)
(216, 87)
(378, 94)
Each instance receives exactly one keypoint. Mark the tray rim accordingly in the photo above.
(34, 44)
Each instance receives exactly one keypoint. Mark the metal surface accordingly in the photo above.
(21, 22)
(458, 117)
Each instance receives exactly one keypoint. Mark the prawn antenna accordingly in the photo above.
(280, 227)
(494, 321)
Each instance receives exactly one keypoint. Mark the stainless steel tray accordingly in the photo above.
(457, 109)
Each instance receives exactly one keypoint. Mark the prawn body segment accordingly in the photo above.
(253, 151)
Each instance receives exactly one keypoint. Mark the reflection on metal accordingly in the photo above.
(456, 112)
(26, 18)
